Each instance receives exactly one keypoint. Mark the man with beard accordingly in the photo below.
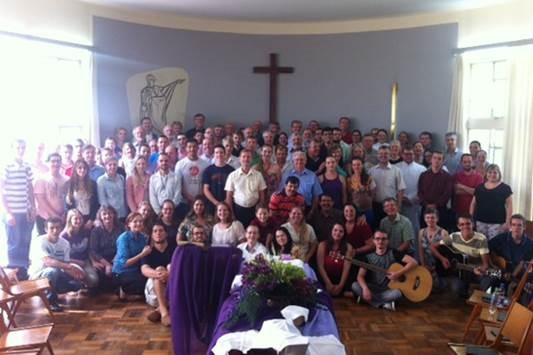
(465, 182)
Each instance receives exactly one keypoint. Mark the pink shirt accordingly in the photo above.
(50, 195)
(136, 194)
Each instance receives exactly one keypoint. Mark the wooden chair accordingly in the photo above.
(23, 290)
(27, 340)
(514, 331)
(476, 300)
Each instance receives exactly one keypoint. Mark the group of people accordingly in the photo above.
(113, 216)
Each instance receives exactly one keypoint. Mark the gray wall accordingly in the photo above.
(335, 75)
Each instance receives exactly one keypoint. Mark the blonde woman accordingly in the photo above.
(302, 234)
(137, 184)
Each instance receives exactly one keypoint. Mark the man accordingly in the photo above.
(376, 290)
(162, 143)
(472, 245)
(282, 202)
(411, 172)
(229, 158)
(315, 160)
(465, 182)
(190, 170)
(181, 146)
(452, 156)
(155, 267)
(344, 126)
(164, 185)
(148, 128)
(435, 188)
(268, 138)
(245, 188)
(281, 154)
(89, 155)
(371, 155)
(389, 182)
(50, 257)
(309, 185)
(50, 193)
(229, 129)
(199, 122)
(323, 219)
(214, 179)
(251, 145)
(207, 149)
(138, 137)
(18, 207)
(112, 189)
(296, 128)
(172, 153)
(426, 138)
(398, 228)
(336, 136)
(514, 246)
(218, 134)
(252, 247)
(296, 143)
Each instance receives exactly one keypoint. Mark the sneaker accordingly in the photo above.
(55, 307)
(154, 317)
(389, 306)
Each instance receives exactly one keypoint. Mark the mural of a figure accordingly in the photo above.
(155, 99)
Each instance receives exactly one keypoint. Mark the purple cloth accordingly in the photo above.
(199, 282)
(321, 320)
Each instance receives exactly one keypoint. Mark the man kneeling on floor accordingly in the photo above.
(155, 267)
(49, 257)
(376, 290)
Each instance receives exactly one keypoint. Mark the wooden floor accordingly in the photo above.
(103, 325)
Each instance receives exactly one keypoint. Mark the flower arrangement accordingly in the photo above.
(271, 284)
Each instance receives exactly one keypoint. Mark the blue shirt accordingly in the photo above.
(309, 184)
(504, 246)
(452, 161)
(111, 192)
(129, 244)
(95, 172)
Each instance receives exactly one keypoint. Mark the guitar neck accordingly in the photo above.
(368, 266)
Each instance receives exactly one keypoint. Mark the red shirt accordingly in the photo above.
(461, 203)
(359, 235)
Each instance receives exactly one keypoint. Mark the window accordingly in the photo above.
(486, 94)
(46, 92)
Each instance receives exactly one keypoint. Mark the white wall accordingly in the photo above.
(72, 20)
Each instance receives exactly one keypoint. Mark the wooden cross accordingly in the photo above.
(273, 70)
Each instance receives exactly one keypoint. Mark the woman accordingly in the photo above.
(481, 164)
(395, 152)
(103, 243)
(197, 216)
(271, 172)
(78, 238)
(127, 161)
(333, 183)
(144, 151)
(302, 235)
(333, 261)
(148, 215)
(171, 227)
(228, 232)
(358, 151)
(358, 233)
(252, 247)
(336, 152)
(418, 149)
(265, 223)
(137, 184)
(281, 243)
(132, 246)
(82, 193)
(361, 189)
(492, 205)
(283, 139)
(427, 236)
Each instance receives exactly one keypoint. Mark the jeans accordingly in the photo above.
(131, 282)
(18, 241)
(412, 212)
(379, 296)
(60, 282)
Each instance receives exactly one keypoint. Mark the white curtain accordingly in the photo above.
(456, 121)
(518, 158)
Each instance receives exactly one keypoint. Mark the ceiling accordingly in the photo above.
(295, 10)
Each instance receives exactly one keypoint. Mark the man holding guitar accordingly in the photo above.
(473, 248)
(376, 291)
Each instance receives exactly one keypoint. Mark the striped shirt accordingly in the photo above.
(17, 179)
(473, 248)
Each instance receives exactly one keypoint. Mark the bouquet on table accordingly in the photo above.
(271, 284)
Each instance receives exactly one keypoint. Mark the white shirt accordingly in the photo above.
(41, 247)
(245, 186)
(162, 188)
(249, 254)
(224, 237)
(411, 173)
(190, 172)
(389, 181)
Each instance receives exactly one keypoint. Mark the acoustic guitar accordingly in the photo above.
(459, 262)
(415, 285)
